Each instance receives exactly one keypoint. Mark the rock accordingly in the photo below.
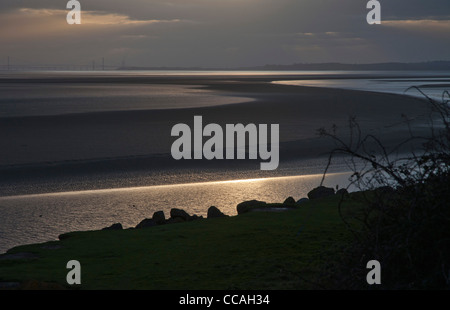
(178, 213)
(302, 200)
(321, 192)
(116, 226)
(159, 218)
(174, 220)
(289, 201)
(195, 217)
(146, 223)
(214, 212)
(342, 192)
(246, 206)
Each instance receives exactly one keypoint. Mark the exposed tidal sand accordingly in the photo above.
(131, 148)
(41, 151)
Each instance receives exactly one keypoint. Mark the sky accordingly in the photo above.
(223, 33)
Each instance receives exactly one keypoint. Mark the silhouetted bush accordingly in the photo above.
(406, 222)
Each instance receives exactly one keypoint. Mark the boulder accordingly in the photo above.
(146, 223)
(116, 226)
(159, 218)
(289, 201)
(174, 220)
(246, 206)
(321, 192)
(342, 192)
(178, 213)
(302, 200)
(214, 212)
(195, 217)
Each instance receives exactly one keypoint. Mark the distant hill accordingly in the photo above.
(388, 66)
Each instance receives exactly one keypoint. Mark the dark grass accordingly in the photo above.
(257, 250)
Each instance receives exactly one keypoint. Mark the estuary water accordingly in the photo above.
(42, 217)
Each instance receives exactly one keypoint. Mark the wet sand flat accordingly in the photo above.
(140, 140)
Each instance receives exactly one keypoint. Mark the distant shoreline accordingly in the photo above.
(435, 65)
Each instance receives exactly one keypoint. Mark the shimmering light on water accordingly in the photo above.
(42, 217)
(431, 86)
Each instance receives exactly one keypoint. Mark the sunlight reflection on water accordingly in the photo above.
(42, 217)
(433, 87)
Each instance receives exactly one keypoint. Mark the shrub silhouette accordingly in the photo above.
(406, 221)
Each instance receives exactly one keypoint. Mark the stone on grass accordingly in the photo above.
(159, 217)
(179, 213)
(289, 201)
(146, 223)
(246, 206)
(214, 212)
(302, 200)
(342, 192)
(321, 192)
(116, 226)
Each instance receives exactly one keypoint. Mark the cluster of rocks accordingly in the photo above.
(289, 203)
(324, 192)
(176, 216)
(179, 215)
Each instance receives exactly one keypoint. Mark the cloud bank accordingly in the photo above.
(223, 33)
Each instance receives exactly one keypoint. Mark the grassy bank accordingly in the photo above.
(255, 250)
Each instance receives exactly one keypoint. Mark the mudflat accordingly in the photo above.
(139, 141)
